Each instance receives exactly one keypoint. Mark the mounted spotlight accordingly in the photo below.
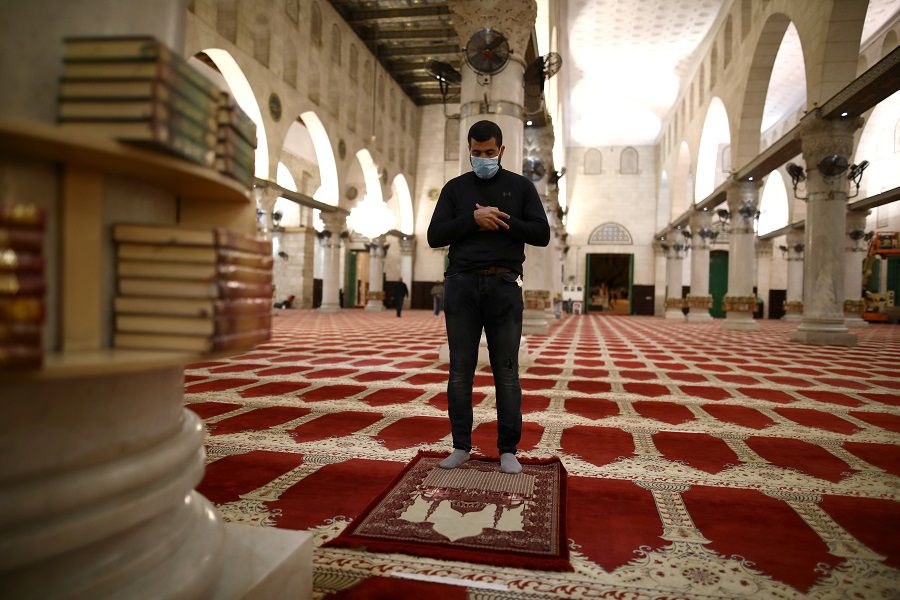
(869, 235)
(748, 211)
(855, 175)
(798, 176)
(784, 251)
(798, 248)
(707, 233)
(723, 215)
(832, 165)
(276, 218)
(856, 235)
(283, 254)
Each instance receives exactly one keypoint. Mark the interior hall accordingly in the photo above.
(224, 346)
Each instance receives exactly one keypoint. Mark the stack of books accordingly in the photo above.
(22, 285)
(236, 147)
(191, 290)
(136, 90)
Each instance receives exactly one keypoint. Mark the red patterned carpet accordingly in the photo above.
(701, 463)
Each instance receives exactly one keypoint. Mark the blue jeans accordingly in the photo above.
(493, 303)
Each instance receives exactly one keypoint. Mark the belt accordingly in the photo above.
(490, 270)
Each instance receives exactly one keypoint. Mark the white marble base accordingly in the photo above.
(264, 563)
(374, 306)
(792, 317)
(855, 322)
(535, 321)
(824, 331)
(675, 314)
(739, 322)
(483, 354)
(328, 308)
(699, 317)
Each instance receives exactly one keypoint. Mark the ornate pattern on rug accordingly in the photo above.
(474, 513)
(700, 462)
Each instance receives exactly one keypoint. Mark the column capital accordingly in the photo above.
(764, 248)
(513, 18)
(743, 200)
(335, 222)
(822, 137)
(702, 232)
(407, 246)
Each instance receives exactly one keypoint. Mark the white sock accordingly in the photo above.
(456, 458)
(510, 464)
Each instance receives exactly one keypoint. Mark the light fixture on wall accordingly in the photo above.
(856, 174)
(276, 219)
(832, 165)
(724, 216)
(798, 176)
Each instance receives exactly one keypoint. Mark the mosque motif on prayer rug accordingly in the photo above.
(473, 513)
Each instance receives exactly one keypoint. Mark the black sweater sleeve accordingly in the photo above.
(533, 227)
(446, 227)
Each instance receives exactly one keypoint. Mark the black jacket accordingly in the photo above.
(453, 221)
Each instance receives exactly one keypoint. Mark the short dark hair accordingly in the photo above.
(482, 131)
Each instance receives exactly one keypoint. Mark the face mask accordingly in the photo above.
(485, 168)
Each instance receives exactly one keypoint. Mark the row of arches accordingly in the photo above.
(780, 62)
(308, 140)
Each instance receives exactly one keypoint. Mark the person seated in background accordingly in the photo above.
(288, 303)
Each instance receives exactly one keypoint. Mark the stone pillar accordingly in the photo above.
(740, 303)
(407, 251)
(294, 271)
(538, 267)
(674, 249)
(330, 240)
(699, 301)
(375, 297)
(763, 272)
(793, 303)
(826, 217)
(265, 202)
(504, 92)
(854, 254)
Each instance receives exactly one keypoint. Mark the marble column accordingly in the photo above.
(855, 251)
(699, 301)
(330, 241)
(674, 249)
(500, 97)
(740, 303)
(793, 303)
(764, 273)
(407, 252)
(826, 217)
(538, 267)
(375, 297)
(265, 202)
(294, 270)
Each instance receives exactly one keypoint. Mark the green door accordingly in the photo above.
(893, 277)
(718, 281)
(350, 283)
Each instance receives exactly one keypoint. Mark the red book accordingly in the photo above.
(20, 261)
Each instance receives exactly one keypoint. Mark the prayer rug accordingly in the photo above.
(474, 513)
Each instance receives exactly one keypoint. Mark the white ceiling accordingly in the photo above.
(627, 58)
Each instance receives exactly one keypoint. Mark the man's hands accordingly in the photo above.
(490, 218)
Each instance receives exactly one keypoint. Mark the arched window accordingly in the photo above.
(729, 41)
(315, 24)
(367, 76)
(451, 139)
(890, 42)
(261, 39)
(393, 105)
(313, 80)
(226, 19)
(628, 162)
(746, 23)
(610, 234)
(351, 112)
(593, 162)
(713, 65)
(353, 62)
(290, 64)
(336, 44)
(292, 9)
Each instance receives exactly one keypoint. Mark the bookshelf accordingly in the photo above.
(93, 414)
